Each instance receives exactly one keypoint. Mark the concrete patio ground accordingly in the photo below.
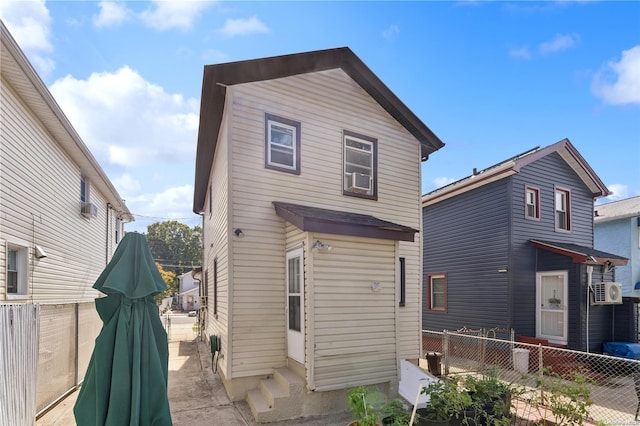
(196, 395)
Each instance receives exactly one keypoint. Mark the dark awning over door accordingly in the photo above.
(314, 219)
(580, 254)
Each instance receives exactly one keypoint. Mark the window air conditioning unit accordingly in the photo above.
(360, 182)
(607, 293)
(88, 209)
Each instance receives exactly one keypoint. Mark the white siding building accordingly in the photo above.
(60, 221)
(308, 179)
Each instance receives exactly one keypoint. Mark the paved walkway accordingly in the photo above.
(196, 395)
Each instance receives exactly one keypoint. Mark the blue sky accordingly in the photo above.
(491, 79)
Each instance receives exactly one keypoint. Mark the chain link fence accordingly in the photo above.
(549, 383)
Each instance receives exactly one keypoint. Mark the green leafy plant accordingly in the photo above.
(567, 397)
(362, 403)
(395, 413)
(446, 401)
(490, 400)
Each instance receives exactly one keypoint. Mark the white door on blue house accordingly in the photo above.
(552, 306)
(295, 305)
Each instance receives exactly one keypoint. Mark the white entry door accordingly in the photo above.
(295, 305)
(552, 306)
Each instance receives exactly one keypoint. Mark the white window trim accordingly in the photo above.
(536, 192)
(567, 209)
(444, 293)
(23, 251)
(372, 193)
(294, 126)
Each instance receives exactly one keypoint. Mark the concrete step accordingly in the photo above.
(278, 397)
(261, 409)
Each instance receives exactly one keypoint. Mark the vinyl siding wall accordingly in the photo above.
(544, 174)
(466, 237)
(325, 103)
(355, 336)
(216, 234)
(40, 204)
(621, 237)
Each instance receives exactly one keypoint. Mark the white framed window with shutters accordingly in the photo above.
(16, 270)
(282, 144)
(360, 165)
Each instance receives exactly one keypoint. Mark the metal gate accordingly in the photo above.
(19, 329)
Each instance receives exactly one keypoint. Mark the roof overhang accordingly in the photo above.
(580, 254)
(18, 71)
(314, 219)
(218, 77)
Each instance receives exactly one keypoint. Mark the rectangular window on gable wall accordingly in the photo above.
(282, 144)
(360, 166)
(532, 203)
(437, 292)
(563, 209)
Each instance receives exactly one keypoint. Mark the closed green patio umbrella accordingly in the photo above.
(126, 380)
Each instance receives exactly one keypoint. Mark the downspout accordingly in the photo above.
(589, 277)
(106, 251)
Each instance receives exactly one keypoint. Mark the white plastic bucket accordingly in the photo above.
(521, 360)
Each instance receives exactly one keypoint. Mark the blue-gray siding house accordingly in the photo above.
(617, 230)
(511, 246)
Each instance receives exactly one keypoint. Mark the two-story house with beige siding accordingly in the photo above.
(60, 221)
(308, 180)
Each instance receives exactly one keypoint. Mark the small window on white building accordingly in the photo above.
(360, 158)
(84, 189)
(282, 144)
(17, 270)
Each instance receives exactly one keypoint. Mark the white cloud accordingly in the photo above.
(618, 82)
(559, 43)
(442, 181)
(165, 15)
(126, 184)
(213, 56)
(618, 192)
(111, 14)
(520, 53)
(30, 25)
(172, 203)
(127, 121)
(391, 33)
(234, 27)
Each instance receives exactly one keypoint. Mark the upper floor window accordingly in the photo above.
(563, 209)
(282, 144)
(532, 203)
(84, 189)
(437, 292)
(360, 160)
(16, 270)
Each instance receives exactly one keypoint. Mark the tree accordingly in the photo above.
(170, 279)
(175, 246)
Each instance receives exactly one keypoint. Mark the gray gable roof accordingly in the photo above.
(616, 210)
(513, 165)
(218, 77)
